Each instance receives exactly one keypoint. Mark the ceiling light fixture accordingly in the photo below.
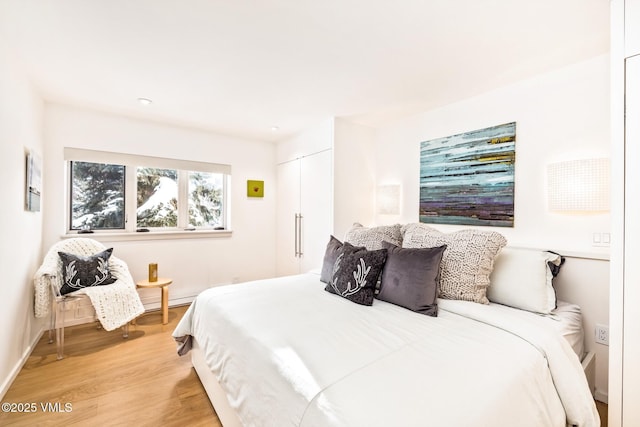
(275, 128)
(144, 101)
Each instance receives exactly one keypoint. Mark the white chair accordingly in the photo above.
(115, 305)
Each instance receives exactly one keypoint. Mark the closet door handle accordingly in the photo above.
(295, 234)
(300, 253)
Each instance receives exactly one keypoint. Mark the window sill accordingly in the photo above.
(153, 235)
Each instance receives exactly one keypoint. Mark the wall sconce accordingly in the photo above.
(579, 186)
(388, 199)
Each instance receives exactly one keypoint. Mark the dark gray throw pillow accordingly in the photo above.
(410, 278)
(355, 274)
(330, 256)
(82, 272)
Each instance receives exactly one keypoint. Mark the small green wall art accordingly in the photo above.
(255, 188)
(468, 179)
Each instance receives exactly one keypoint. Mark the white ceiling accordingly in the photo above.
(240, 67)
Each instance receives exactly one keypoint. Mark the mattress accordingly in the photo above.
(287, 353)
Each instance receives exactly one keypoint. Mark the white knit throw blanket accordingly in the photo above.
(115, 304)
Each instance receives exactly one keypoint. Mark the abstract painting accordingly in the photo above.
(255, 188)
(468, 178)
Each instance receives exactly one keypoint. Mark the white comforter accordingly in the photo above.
(289, 354)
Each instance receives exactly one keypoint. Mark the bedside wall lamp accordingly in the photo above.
(579, 186)
(388, 199)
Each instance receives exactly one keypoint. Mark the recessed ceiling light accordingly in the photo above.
(275, 128)
(144, 101)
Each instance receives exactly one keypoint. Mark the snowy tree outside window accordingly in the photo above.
(157, 197)
(105, 196)
(205, 199)
(97, 196)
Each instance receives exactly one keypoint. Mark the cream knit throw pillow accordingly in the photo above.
(466, 263)
(372, 238)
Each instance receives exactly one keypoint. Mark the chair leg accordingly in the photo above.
(52, 320)
(60, 342)
(125, 333)
(60, 331)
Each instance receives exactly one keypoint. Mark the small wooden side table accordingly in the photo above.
(163, 283)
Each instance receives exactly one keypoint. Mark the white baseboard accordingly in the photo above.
(602, 396)
(16, 369)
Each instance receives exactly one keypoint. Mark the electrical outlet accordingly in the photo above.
(602, 334)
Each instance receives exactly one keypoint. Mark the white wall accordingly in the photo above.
(354, 176)
(619, 187)
(312, 140)
(560, 115)
(20, 250)
(193, 264)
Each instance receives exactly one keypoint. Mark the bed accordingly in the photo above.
(283, 352)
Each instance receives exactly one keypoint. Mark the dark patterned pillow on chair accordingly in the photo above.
(82, 272)
(355, 274)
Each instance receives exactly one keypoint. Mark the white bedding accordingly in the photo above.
(567, 319)
(289, 354)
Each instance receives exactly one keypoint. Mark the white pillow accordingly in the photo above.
(522, 279)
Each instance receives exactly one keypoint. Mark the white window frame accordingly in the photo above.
(131, 163)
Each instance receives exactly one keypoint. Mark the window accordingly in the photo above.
(97, 196)
(129, 193)
(205, 199)
(157, 198)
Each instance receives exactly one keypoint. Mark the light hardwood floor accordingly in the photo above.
(603, 410)
(109, 381)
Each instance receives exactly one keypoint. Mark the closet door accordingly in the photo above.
(632, 29)
(316, 207)
(631, 348)
(288, 177)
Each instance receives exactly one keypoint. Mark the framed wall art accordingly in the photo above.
(468, 178)
(255, 188)
(34, 182)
